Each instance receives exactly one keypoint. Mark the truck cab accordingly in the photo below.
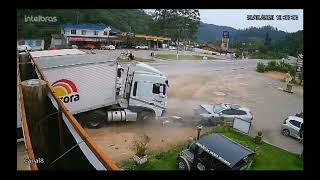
(146, 89)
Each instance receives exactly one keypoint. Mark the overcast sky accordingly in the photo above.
(237, 18)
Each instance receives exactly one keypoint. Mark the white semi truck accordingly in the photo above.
(96, 89)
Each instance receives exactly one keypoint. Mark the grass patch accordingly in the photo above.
(268, 157)
(182, 57)
(157, 160)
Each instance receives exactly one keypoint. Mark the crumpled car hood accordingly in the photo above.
(208, 108)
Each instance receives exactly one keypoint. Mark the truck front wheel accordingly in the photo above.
(146, 115)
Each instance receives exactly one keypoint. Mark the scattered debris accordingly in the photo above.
(219, 93)
(245, 84)
(176, 118)
(166, 123)
(140, 160)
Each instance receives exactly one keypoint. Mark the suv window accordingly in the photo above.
(295, 123)
(218, 165)
(205, 158)
(192, 148)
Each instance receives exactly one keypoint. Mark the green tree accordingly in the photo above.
(267, 40)
(179, 24)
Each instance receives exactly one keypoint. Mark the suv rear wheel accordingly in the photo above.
(286, 132)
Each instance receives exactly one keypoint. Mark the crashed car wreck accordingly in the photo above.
(213, 113)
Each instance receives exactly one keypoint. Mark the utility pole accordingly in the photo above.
(77, 16)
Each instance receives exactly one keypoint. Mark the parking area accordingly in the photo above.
(194, 82)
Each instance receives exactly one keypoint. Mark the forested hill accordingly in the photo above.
(211, 33)
(134, 20)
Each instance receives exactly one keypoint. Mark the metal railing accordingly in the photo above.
(25, 128)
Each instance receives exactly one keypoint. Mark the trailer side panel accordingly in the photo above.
(84, 87)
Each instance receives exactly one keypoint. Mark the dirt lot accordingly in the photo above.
(117, 138)
(276, 75)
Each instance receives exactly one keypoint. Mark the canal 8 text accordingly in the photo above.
(34, 161)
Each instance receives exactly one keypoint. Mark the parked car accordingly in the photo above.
(22, 48)
(52, 48)
(74, 46)
(89, 46)
(300, 115)
(142, 47)
(104, 47)
(172, 48)
(291, 126)
(212, 113)
(215, 152)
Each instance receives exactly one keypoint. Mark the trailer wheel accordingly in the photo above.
(94, 123)
(95, 119)
(182, 164)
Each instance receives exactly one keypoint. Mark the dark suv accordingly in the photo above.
(215, 152)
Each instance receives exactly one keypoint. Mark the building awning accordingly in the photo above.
(92, 39)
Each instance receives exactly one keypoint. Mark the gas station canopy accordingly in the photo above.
(153, 38)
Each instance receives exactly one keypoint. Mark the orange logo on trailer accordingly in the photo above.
(66, 90)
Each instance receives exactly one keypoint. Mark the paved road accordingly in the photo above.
(241, 84)
(194, 82)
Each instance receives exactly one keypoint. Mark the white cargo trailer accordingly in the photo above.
(89, 85)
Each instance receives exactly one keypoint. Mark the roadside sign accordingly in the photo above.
(225, 34)
(300, 63)
(242, 125)
(299, 69)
